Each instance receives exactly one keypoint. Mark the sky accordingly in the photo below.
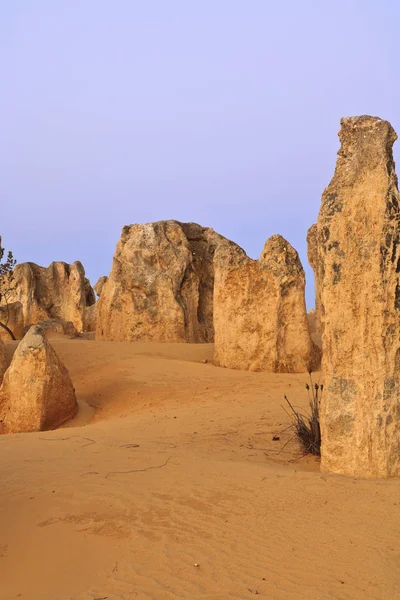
(221, 112)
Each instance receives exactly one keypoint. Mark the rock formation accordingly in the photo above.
(60, 291)
(312, 248)
(90, 296)
(161, 284)
(90, 318)
(359, 288)
(12, 315)
(259, 310)
(314, 327)
(100, 284)
(36, 393)
(2, 360)
(54, 326)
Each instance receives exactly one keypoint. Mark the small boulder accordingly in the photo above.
(37, 392)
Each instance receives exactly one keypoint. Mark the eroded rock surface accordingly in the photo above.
(100, 284)
(359, 289)
(90, 296)
(90, 318)
(13, 316)
(312, 250)
(54, 327)
(2, 360)
(314, 327)
(36, 393)
(260, 315)
(161, 284)
(60, 291)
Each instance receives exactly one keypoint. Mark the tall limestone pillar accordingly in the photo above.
(359, 291)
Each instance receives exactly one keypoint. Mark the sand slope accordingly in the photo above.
(171, 464)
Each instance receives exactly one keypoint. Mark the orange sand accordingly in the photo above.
(168, 485)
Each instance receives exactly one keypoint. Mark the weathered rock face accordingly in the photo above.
(54, 327)
(312, 248)
(90, 318)
(359, 286)
(59, 291)
(100, 284)
(259, 310)
(3, 363)
(161, 284)
(311, 321)
(37, 392)
(13, 316)
(90, 296)
(314, 328)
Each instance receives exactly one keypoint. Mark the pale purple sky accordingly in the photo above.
(222, 112)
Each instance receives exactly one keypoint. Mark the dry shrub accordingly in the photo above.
(306, 425)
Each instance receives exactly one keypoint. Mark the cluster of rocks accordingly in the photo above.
(170, 282)
(180, 282)
(39, 294)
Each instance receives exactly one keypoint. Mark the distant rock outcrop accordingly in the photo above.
(100, 284)
(36, 393)
(260, 315)
(161, 284)
(90, 296)
(90, 318)
(359, 289)
(315, 327)
(60, 291)
(312, 249)
(54, 327)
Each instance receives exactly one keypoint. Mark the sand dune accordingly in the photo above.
(168, 485)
